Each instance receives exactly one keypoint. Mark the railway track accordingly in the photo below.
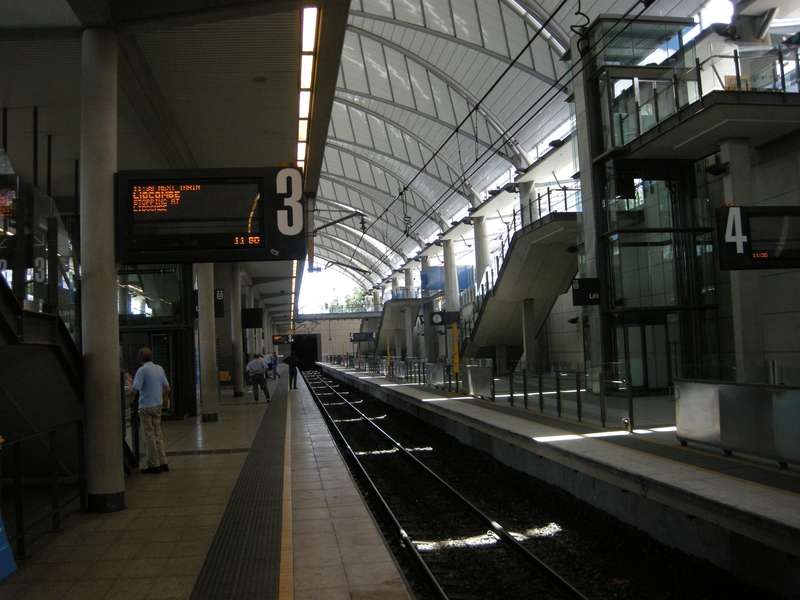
(460, 552)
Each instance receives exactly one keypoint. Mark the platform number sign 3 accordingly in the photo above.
(290, 218)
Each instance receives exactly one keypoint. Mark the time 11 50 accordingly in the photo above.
(247, 240)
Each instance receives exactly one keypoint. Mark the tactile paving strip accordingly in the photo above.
(244, 559)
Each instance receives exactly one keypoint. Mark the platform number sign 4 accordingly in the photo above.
(734, 234)
(758, 237)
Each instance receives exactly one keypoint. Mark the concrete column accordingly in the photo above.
(423, 262)
(528, 333)
(501, 360)
(409, 281)
(266, 342)
(598, 345)
(411, 319)
(376, 299)
(105, 477)
(207, 337)
(748, 326)
(483, 258)
(235, 294)
(252, 346)
(528, 208)
(450, 277)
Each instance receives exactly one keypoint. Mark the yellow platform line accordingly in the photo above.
(286, 585)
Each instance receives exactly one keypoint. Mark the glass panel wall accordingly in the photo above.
(660, 272)
(37, 256)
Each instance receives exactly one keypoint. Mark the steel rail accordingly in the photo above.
(561, 585)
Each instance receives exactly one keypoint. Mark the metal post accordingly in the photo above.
(19, 502)
(525, 387)
(602, 399)
(54, 504)
(578, 392)
(541, 394)
(738, 74)
(558, 392)
(783, 75)
(629, 385)
(675, 93)
(511, 387)
(82, 464)
(36, 146)
(699, 80)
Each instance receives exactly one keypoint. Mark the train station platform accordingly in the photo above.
(739, 512)
(256, 505)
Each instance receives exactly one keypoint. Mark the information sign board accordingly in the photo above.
(758, 237)
(210, 215)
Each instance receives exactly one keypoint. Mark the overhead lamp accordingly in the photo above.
(305, 103)
(309, 29)
(301, 150)
(306, 70)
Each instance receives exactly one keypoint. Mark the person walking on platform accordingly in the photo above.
(275, 374)
(257, 369)
(151, 388)
(293, 363)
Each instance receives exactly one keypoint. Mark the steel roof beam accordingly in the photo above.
(555, 44)
(468, 96)
(419, 113)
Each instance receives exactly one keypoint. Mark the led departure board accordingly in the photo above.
(210, 215)
(758, 237)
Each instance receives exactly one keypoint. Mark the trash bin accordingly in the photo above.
(7, 564)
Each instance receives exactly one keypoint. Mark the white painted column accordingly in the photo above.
(105, 477)
(207, 337)
(748, 325)
(483, 258)
(450, 277)
(411, 319)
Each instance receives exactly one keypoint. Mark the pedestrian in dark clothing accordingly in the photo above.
(293, 363)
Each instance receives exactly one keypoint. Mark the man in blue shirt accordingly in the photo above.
(152, 390)
(257, 369)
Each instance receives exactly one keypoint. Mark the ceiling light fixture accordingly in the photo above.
(308, 46)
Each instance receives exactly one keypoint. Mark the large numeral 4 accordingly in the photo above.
(733, 229)
(292, 203)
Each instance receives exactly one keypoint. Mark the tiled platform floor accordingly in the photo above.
(156, 547)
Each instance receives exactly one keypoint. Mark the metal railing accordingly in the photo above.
(647, 102)
(574, 391)
(54, 482)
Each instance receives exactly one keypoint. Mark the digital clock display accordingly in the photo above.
(775, 236)
(210, 215)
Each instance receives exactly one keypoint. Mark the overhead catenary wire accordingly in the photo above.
(490, 152)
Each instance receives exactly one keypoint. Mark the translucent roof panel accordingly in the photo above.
(436, 99)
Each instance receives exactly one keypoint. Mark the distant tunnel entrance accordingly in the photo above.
(307, 349)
